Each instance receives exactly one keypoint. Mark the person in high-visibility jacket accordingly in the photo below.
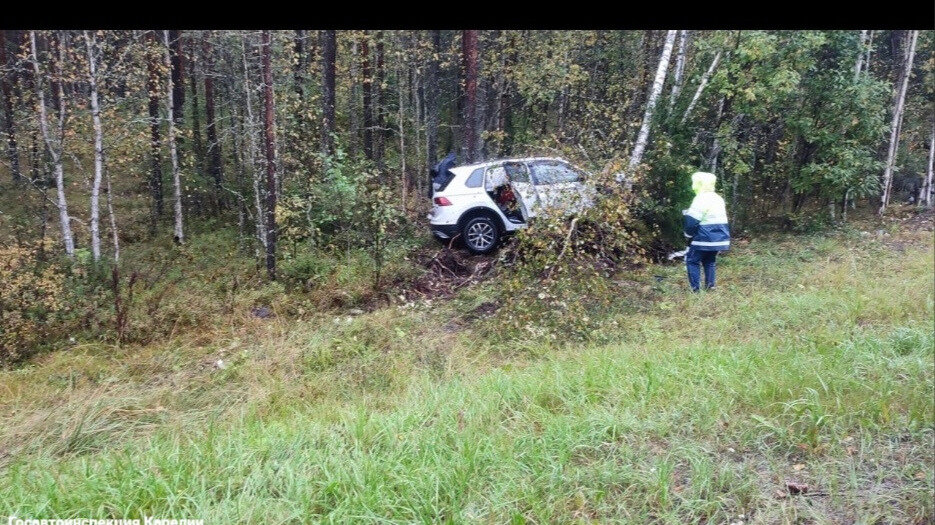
(706, 226)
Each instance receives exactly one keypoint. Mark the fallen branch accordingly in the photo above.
(571, 231)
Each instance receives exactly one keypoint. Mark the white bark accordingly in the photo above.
(679, 68)
(847, 196)
(897, 123)
(925, 195)
(414, 83)
(98, 150)
(252, 148)
(860, 54)
(402, 136)
(113, 218)
(716, 144)
(173, 153)
(869, 48)
(643, 136)
(55, 150)
(701, 85)
(858, 66)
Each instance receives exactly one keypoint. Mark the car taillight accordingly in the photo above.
(442, 201)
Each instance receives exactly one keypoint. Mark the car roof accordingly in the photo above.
(472, 167)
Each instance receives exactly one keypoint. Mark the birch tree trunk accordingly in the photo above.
(55, 150)
(643, 137)
(860, 54)
(679, 68)
(716, 143)
(858, 66)
(270, 138)
(701, 85)
(252, 153)
(925, 195)
(897, 123)
(155, 141)
(113, 218)
(173, 153)
(416, 85)
(367, 81)
(402, 133)
(90, 44)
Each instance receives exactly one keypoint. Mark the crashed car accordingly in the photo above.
(481, 203)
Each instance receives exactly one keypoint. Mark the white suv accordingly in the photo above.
(483, 202)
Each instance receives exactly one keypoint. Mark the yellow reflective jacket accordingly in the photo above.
(706, 219)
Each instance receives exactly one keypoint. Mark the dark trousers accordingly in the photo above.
(694, 260)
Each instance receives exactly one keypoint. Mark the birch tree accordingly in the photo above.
(701, 85)
(367, 80)
(173, 153)
(155, 140)
(898, 108)
(90, 45)
(113, 218)
(860, 54)
(270, 139)
(863, 44)
(54, 145)
(251, 146)
(925, 194)
(643, 137)
(415, 84)
(679, 68)
(401, 129)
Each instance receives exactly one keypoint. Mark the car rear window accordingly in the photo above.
(441, 182)
(476, 180)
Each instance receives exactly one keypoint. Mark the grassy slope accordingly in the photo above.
(813, 363)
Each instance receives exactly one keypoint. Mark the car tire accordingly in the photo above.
(480, 235)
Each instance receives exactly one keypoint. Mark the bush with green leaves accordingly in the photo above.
(322, 212)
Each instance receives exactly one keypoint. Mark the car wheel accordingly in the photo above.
(480, 235)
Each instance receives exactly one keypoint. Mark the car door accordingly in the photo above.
(558, 185)
(526, 191)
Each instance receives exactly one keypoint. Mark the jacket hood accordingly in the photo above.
(703, 182)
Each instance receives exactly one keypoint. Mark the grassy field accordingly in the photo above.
(811, 365)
